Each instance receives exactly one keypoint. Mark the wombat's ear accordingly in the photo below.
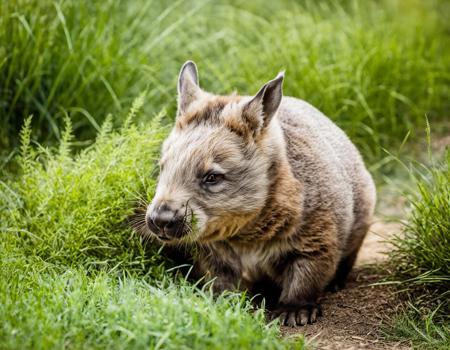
(266, 102)
(188, 88)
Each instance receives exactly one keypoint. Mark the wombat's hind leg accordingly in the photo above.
(363, 216)
(365, 198)
(344, 268)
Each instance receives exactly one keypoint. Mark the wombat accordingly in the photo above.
(266, 190)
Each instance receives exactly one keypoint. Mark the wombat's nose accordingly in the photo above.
(165, 223)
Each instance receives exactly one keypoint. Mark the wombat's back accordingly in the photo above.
(331, 169)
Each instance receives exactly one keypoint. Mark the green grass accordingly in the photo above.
(72, 310)
(422, 253)
(73, 210)
(376, 67)
(422, 330)
(74, 275)
(421, 259)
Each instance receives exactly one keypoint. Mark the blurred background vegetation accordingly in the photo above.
(73, 274)
(375, 67)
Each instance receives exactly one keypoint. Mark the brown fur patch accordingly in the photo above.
(210, 113)
(227, 227)
(281, 214)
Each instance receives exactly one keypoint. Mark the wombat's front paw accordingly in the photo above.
(222, 284)
(297, 315)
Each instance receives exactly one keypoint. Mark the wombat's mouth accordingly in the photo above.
(170, 231)
(172, 226)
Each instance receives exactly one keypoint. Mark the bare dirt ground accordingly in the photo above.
(353, 317)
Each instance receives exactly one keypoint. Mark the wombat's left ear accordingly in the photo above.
(266, 102)
(188, 88)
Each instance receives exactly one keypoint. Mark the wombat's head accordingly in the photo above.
(215, 164)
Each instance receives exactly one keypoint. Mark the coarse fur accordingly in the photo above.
(266, 190)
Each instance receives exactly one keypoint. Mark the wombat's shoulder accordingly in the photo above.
(299, 114)
(308, 130)
(323, 158)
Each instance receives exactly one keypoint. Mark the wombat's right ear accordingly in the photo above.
(188, 88)
(261, 108)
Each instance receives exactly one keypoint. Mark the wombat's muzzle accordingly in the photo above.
(166, 223)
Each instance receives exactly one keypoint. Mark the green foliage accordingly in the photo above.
(72, 273)
(71, 310)
(422, 252)
(424, 331)
(376, 67)
(421, 260)
(72, 210)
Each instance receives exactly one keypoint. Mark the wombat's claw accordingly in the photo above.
(299, 316)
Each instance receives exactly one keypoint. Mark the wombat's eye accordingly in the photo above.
(212, 178)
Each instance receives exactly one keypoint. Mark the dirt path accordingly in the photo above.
(353, 317)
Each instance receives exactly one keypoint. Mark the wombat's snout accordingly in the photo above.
(166, 223)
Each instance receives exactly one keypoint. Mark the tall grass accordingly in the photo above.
(376, 67)
(72, 273)
(421, 260)
(79, 57)
(422, 253)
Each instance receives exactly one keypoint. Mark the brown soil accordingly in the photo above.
(353, 318)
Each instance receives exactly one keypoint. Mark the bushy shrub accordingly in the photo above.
(73, 210)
